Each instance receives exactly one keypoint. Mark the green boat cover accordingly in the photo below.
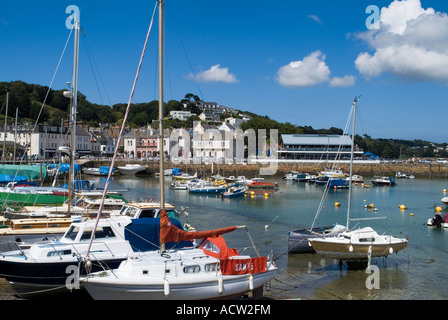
(32, 172)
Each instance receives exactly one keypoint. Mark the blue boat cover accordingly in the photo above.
(65, 167)
(143, 235)
(80, 185)
(105, 170)
(10, 178)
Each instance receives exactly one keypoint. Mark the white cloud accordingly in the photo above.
(215, 74)
(411, 43)
(315, 18)
(399, 13)
(347, 81)
(310, 71)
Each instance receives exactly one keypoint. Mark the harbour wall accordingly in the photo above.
(422, 170)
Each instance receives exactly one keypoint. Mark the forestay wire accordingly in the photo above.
(326, 189)
(121, 133)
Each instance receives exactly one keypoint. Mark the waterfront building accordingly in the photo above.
(43, 141)
(316, 147)
(102, 143)
(144, 143)
(212, 145)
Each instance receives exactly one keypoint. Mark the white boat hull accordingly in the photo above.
(207, 288)
(186, 274)
(131, 169)
(357, 244)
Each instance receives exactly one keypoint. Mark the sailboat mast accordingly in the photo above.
(74, 104)
(6, 124)
(161, 113)
(351, 164)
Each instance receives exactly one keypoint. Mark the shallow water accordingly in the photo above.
(416, 272)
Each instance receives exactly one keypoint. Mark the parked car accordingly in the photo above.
(424, 161)
(441, 161)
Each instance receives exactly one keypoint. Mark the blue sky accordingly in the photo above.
(292, 60)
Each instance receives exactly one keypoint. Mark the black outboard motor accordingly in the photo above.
(437, 220)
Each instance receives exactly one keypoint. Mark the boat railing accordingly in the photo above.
(96, 244)
(11, 245)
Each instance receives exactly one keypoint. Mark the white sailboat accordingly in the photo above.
(359, 244)
(211, 271)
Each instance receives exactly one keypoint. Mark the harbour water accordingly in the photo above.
(417, 272)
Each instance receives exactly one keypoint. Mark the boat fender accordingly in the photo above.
(350, 248)
(251, 282)
(220, 286)
(166, 287)
(88, 265)
(391, 250)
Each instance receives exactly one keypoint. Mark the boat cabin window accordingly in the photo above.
(367, 240)
(147, 213)
(129, 211)
(211, 267)
(59, 253)
(101, 232)
(71, 233)
(96, 206)
(192, 269)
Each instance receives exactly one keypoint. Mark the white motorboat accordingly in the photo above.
(404, 175)
(356, 178)
(439, 220)
(179, 185)
(101, 171)
(206, 187)
(80, 205)
(444, 200)
(131, 169)
(185, 176)
(304, 177)
(333, 173)
(384, 181)
(22, 233)
(290, 175)
(242, 180)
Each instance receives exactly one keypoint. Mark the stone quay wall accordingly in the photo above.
(423, 170)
